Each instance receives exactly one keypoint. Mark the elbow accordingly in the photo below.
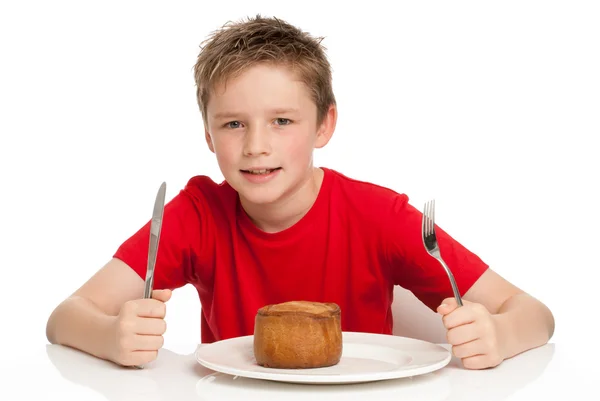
(53, 323)
(551, 324)
(50, 327)
(546, 318)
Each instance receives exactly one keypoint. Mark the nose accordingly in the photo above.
(256, 142)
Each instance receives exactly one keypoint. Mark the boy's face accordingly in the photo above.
(262, 126)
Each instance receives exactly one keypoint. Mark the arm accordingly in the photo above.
(523, 322)
(497, 321)
(89, 319)
(106, 317)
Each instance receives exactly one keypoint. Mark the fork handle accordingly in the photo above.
(452, 281)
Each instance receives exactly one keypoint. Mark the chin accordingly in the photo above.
(258, 193)
(261, 196)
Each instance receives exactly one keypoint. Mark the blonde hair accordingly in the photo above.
(237, 46)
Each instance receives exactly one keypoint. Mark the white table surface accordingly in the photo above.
(50, 372)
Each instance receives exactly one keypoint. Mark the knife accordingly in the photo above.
(155, 226)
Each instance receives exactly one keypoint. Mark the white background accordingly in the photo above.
(490, 107)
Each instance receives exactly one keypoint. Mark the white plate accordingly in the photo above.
(365, 357)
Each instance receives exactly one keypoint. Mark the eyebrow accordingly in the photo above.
(284, 110)
(229, 114)
(226, 115)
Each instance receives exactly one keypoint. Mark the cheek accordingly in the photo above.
(225, 149)
(299, 144)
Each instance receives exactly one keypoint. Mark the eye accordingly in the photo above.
(233, 124)
(283, 121)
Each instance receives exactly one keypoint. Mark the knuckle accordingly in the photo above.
(156, 308)
(495, 359)
(125, 326)
(122, 344)
(470, 309)
(492, 344)
(474, 363)
(131, 360)
(125, 343)
(128, 308)
(486, 362)
(148, 357)
(469, 364)
(485, 327)
(480, 309)
(451, 337)
(123, 358)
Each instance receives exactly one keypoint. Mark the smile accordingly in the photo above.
(261, 171)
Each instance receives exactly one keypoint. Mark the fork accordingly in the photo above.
(431, 244)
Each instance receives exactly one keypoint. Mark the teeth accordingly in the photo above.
(264, 171)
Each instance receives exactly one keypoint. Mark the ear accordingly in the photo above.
(209, 140)
(325, 130)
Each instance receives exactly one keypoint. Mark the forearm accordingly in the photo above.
(79, 323)
(523, 323)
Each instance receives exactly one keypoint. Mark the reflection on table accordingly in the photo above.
(179, 377)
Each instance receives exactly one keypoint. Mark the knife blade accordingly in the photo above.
(155, 228)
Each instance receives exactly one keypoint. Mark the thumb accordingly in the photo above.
(448, 305)
(162, 295)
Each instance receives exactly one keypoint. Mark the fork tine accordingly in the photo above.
(430, 217)
(432, 246)
(433, 215)
(424, 221)
(425, 213)
(427, 218)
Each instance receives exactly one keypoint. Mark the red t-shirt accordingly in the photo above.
(356, 242)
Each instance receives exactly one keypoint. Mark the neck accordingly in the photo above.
(288, 210)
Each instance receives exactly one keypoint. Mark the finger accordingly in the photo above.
(481, 361)
(148, 343)
(138, 358)
(462, 334)
(447, 306)
(466, 314)
(150, 326)
(162, 295)
(470, 349)
(150, 308)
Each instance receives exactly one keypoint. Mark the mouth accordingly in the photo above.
(263, 171)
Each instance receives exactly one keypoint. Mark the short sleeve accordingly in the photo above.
(411, 266)
(180, 231)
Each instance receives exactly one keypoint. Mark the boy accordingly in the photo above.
(280, 229)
